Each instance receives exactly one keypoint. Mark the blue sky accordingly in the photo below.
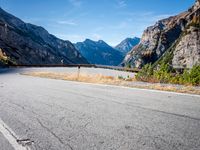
(110, 20)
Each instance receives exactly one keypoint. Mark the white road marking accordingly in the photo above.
(11, 136)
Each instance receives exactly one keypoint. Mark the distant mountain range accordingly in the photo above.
(27, 44)
(99, 52)
(23, 43)
(175, 40)
(126, 45)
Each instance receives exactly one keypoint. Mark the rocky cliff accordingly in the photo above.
(23, 43)
(99, 52)
(178, 35)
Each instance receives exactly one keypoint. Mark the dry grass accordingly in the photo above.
(101, 79)
(183, 89)
(82, 77)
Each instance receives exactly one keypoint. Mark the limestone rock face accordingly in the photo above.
(26, 44)
(196, 5)
(157, 39)
(187, 52)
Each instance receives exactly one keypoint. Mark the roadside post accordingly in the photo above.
(79, 68)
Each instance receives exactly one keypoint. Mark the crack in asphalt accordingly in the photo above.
(42, 125)
(52, 133)
(13, 139)
(18, 105)
(164, 112)
(144, 108)
(102, 99)
(154, 110)
(125, 104)
(25, 141)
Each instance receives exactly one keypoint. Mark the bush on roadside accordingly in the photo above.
(163, 74)
(121, 77)
(145, 74)
(128, 65)
(166, 74)
(192, 76)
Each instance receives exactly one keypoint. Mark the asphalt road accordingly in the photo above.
(48, 114)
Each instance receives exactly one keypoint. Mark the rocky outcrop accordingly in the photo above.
(23, 43)
(99, 52)
(158, 39)
(187, 51)
(126, 45)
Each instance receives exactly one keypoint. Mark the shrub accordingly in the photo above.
(128, 65)
(163, 74)
(195, 75)
(192, 76)
(145, 73)
(121, 77)
(166, 74)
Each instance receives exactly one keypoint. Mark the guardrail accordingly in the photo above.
(119, 68)
(82, 65)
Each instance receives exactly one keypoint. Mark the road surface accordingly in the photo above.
(48, 114)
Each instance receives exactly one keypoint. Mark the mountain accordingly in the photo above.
(24, 43)
(175, 39)
(99, 52)
(126, 45)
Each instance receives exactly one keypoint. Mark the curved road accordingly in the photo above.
(47, 114)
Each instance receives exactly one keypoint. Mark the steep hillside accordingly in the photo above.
(23, 43)
(177, 35)
(99, 52)
(126, 45)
